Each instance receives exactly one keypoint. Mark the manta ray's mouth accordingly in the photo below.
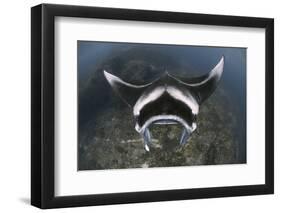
(164, 120)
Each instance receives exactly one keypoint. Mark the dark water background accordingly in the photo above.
(93, 57)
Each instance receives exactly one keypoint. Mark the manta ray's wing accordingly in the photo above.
(128, 92)
(205, 85)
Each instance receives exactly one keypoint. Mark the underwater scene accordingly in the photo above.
(160, 105)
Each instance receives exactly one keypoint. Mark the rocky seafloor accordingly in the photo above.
(107, 137)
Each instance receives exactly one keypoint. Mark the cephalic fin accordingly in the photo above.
(146, 139)
(184, 136)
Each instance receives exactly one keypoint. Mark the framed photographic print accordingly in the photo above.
(139, 106)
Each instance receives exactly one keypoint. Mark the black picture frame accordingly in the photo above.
(43, 111)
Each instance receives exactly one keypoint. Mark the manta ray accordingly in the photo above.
(167, 100)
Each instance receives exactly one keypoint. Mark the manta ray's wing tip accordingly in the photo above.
(220, 64)
(222, 60)
(218, 70)
(110, 78)
(106, 74)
